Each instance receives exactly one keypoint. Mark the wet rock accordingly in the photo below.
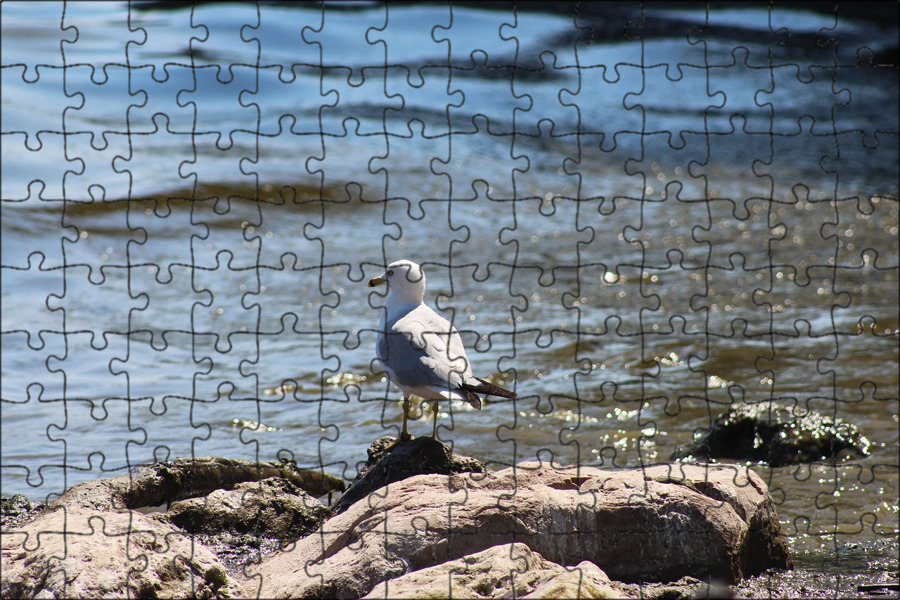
(657, 524)
(274, 506)
(389, 464)
(18, 510)
(250, 520)
(505, 571)
(685, 588)
(776, 435)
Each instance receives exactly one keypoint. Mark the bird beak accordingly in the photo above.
(380, 280)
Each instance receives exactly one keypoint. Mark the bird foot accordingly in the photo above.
(404, 437)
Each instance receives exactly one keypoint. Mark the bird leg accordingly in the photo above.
(434, 409)
(404, 435)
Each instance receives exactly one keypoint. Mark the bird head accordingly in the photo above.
(405, 280)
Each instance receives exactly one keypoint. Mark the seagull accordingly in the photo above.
(421, 352)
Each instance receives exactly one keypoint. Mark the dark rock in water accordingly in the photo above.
(389, 463)
(17, 510)
(250, 520)
(776, 435)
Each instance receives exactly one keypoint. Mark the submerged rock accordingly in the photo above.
(776, 435)
(657, 524)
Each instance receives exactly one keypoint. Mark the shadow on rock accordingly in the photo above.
(251, 520)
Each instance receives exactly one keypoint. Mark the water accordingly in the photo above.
(634, 249)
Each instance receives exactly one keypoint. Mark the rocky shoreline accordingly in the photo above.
(418, 521)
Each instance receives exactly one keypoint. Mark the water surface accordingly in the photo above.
(635, 232)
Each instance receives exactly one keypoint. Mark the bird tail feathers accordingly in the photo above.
(487, 388)
(472, 398)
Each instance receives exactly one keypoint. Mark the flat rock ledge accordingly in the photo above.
(199, 528)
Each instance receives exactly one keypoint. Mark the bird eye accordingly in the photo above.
(390, 272)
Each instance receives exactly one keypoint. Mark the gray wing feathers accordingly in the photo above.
(416, 348)
(423, 353)
(412, 366)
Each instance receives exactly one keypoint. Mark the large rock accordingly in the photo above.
(507, 571)
(657, 524)
(114, 538)
(777, 435)
(76, 552)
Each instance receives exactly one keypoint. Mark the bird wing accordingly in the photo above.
(424, 355)
(424, 349)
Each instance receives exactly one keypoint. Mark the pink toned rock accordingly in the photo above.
(93, 542)
(80, 553)
(657, 524)
(506, 571)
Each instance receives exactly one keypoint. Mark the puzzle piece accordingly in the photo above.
(644, 219)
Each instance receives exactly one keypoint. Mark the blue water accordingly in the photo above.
(634, 233)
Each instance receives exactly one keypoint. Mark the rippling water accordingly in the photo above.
(193, 200)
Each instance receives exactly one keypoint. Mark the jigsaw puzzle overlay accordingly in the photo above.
(637, 216)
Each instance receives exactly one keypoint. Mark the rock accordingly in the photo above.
(76, 552)
(388, 464)
(657, 524)
(162, 483)
(18, 510)
(585, 580)
(776, 435)
(686, 588)
(114, 538)
(182, 478)
(505, 571)
(250, 520)
(272, 506)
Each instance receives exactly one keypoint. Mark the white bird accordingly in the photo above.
(421, 352)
